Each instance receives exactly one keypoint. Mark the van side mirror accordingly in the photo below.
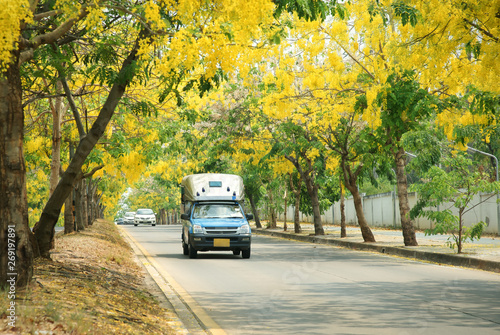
(249, 216)
(185, 216)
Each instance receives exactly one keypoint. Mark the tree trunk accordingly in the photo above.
(99, 207)
(284, 223)
(254, 211)
(69, 223)
(366, 232)
(93, 207)
(85, 219)
(14, 224)
(312, 190)
(409, 236)
(89, 202)
(318, 225)
(55, 163)
(350, 180)
(52, 209)
(163, 216)
(460, 226)
(343, 230)
(272, 210)
(96, 203)
(78, 206)
(296, 214)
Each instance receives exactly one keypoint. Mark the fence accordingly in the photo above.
(382, 210)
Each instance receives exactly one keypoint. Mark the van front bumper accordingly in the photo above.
(202, 242)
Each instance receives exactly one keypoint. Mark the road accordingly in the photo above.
(289, 287)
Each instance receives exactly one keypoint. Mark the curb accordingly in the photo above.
(408, 252)
(184, 320)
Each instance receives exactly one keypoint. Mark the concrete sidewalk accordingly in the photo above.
(483, 254)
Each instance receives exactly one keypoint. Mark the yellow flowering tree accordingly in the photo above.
(182, 45)
(325, 68)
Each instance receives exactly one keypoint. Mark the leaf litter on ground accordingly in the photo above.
(93, 285)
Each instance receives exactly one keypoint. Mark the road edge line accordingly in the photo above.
(181, 301)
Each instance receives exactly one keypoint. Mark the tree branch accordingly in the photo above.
(72, 105)
(29, 47)
(91, 173)
(479, 203)
(484, 31)
(351, 56)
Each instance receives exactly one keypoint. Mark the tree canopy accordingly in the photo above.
(148, 91)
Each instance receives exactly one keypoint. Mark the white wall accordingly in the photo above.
(382, 210)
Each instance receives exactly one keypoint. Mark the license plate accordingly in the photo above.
(221, 242)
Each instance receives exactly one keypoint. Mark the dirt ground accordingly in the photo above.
(92, 285)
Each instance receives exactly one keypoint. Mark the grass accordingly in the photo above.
(92, 285)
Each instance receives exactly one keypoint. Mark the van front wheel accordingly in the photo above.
(245, 253)
(193, 253)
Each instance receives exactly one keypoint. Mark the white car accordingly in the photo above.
(145, 216)
(129, 218)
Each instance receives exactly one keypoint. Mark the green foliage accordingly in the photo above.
(481, 135)
(180, 78)
(155, 193)
(101, 63)
(374, 9)
(478, 103)
(103, 54)
(361, 103)
(456, 186)
(382, 184)
(483, 102)
(215, 165)
(171, 86)
(274, 192)
(205, 84)
(427, 144)
(404, 104)
(329, 193)
(310, 9)
(144, 108)
(447, 222)
(407, 13)
(358, 147)
(473, 49)
(252, 180)
(294, 142)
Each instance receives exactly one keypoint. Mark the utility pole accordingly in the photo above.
(498, 196)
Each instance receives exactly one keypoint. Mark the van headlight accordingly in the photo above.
(245, 229)
(197, 229)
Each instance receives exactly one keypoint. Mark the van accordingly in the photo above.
(213, 214)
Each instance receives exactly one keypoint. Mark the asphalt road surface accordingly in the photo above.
(289, 287)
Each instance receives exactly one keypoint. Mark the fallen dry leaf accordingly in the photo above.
(92, 285)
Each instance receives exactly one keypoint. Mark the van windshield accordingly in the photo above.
(217, 211)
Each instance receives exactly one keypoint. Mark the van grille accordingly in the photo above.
(221, 230)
